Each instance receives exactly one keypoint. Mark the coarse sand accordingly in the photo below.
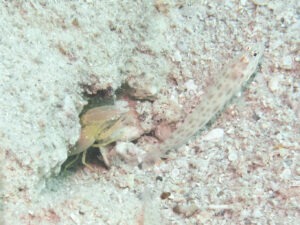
(244, 168)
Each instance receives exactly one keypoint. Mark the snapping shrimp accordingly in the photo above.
(102, 125)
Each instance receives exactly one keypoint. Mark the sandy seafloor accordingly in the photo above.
(242, 169)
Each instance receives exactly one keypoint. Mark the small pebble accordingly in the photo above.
(163, 131)
(286, 174)
(177, 57)
(274, 84)
(243, 2)
(175, 173)
(165, 195)
(186, 210)
(260, 2)
(287, 62)
(232, 156)
(257, 213)
(190, 85)
(215, 134)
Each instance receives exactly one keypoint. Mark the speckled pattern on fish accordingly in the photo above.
(227, 84)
